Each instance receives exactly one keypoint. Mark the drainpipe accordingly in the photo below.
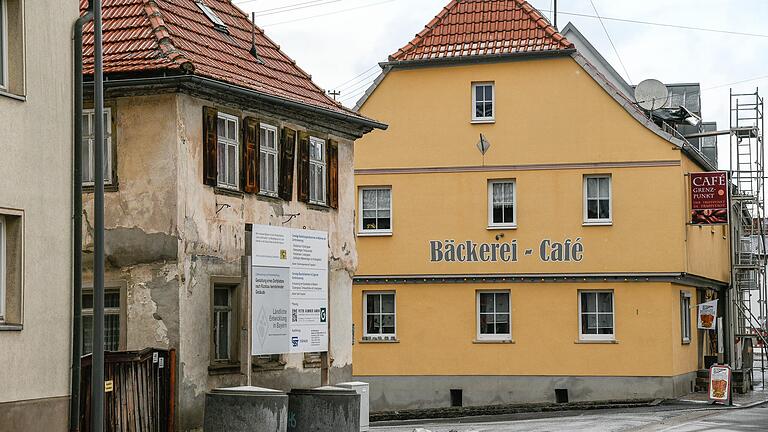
(77, 221)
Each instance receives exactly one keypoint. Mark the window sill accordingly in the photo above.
(11, 327)
(502, 227)
(268, 196)
(598, 223)
(596, 341)
(218, 190)
(685, 342)
(20, 98)
(375, 234)
(382, 341)
(90, 188)
(268, 367)
(224, 369)
(490, 341)
(483, 121)
(318, 207)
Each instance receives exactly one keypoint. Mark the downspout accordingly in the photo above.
(77, 221)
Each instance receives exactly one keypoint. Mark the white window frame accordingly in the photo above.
(379, 336)
(598, 221)
(361, 227)
(685, 317)
(265, 150)
(496, 336)
(228, 142)
(483, 119)
(491, 223)
(323, 166)
(90, 143)
(3, 258)
(597, 337)
(4, 44)
(111, 310)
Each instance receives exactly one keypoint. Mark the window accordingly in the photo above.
(376, 210)
(111, 321)
(596, 315)
(482, 102)
(317, 171)
(228, 151)
(597, 199)
(2, 269)
(268, 160)
(3, 45)
(89, 134)
(11, 269)
(493, 316)
(223, 324)
(380, 315)
(685, 316)
(501, 204)
(218, 24)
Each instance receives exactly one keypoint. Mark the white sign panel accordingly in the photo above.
(290, 290)
(707, 315)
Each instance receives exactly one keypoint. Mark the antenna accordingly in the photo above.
(651, 94)
(555, 14)
(334, 93)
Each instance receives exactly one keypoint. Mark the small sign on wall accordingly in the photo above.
(707, 315)
(709, 198)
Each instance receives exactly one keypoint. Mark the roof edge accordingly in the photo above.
(484, 58)
(163, 37)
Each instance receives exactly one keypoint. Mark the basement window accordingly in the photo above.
(218, 24)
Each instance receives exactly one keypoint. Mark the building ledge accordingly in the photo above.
(382, 341)
(493, 342)
(607, 341)
(11, 327)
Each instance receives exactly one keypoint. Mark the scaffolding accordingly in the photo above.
(748, 296)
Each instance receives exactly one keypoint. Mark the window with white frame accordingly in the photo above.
(501, 203)
(379, 315)
(317, 171)
(685, 316)
(597, 199)
(268, 160)
(483, 102)
(2, 268)
(111, 321)
(3, 45)
(596, 315)
(493, 315)
(228, 151)
(223, 312)
(376, 210)
(89, 134)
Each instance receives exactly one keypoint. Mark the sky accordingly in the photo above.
(338, 40)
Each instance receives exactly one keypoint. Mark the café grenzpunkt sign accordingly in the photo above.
(450, 250)
(709, 198)
(289, 286)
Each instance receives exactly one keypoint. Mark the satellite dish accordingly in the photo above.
(651, 94)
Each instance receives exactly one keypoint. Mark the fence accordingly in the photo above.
(142, 394)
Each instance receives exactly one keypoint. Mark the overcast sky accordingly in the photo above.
(336, 40)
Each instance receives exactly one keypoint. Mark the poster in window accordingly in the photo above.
(707, 315)
(709, 198)
(719, 383)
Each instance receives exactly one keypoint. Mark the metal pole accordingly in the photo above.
(555, 14)
(97, 377)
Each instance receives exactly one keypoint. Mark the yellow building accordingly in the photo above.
(522, 226)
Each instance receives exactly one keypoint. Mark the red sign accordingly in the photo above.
(709, 198)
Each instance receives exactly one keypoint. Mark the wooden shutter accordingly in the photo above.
(302, 170)
(287, 156)
(250, 163)
(333, 174)
(210, 146)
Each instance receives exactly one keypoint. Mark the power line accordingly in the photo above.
(327, 14)
(368, 77)
(735, 82)
(279, 7)
(356, 76)
(296, 7)
(360, 87)
(611, 41)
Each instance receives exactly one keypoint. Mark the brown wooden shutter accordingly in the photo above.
(250, 171)
(287, 156)
(333, 174)
(210, 146)
(302, 170)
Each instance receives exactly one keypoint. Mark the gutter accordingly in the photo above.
(77, 222)
(473, 59)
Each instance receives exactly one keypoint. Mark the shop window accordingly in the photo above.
(224, 324)
(483, 109)
(12, 47)
(376, 210)
(596, 315)
(89, 134)
(685, 316)
(493, 315)
(11, 269)
(317, 171)
(501, 204)
(228, 156)
(268, 160)
(112, 320)
(597, 199)
(379, 316)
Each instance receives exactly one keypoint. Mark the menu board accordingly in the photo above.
(719, 383)
(289, 285)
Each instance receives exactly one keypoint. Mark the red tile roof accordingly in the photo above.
(176, 36)
(483, 27)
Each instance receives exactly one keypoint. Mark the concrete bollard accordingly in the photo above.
(324, 409)
(241, 409)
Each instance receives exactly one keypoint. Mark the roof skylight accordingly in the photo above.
(218, 24)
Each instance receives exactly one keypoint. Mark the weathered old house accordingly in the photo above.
(211, 132)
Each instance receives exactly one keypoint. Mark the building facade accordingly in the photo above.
(522, 226)
(210, 134)
(35, 213)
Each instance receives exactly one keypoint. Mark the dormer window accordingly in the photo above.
(218, 24)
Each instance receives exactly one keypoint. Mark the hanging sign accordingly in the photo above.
(719, 383)
(709, 198)
(289, 285)
(707, 315)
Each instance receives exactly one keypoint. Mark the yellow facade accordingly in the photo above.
(554, 125)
